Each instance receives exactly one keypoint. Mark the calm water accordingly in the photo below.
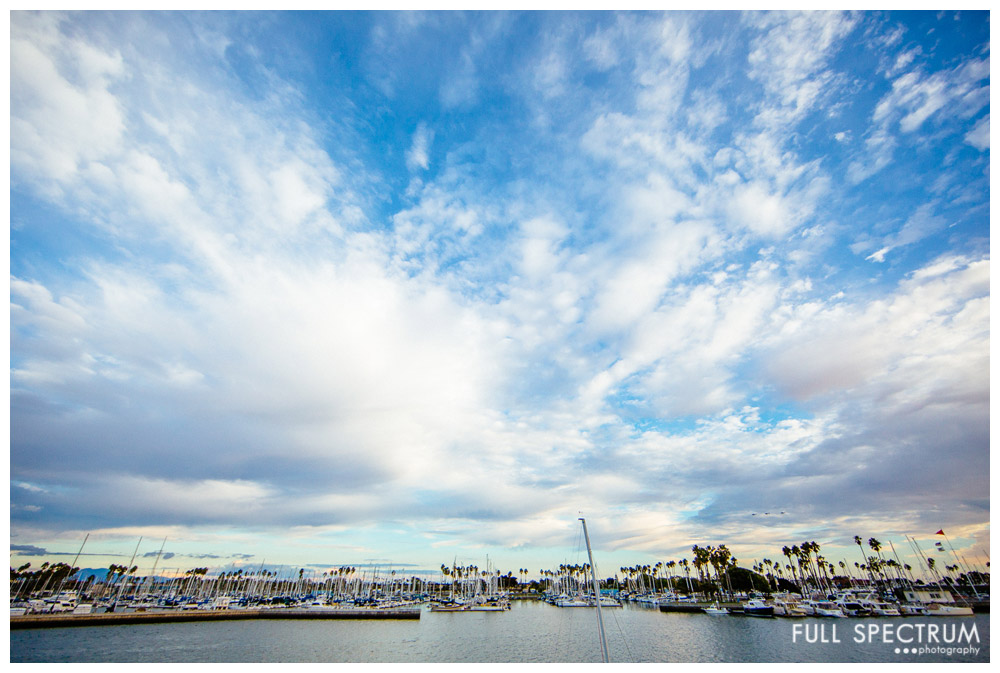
(530, 632)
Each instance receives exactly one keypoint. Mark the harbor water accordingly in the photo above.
(531, 632)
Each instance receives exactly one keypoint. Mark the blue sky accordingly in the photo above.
(316, 288)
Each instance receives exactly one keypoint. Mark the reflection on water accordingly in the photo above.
(530, 632)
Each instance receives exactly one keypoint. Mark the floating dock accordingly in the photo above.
(166, 616)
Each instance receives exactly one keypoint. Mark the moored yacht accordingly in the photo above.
(573, 602)
(881, 609)
(786, 606)
(942, 610)
(852, 608)
(489, 604)
(488, 607)
(606, 602)
(448, 607)
(827, 609)
(755, 607)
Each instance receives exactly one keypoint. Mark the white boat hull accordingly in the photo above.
(935, 610)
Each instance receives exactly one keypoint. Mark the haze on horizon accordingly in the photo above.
(348, 287)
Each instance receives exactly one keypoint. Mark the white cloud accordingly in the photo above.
(540, 245)
(979, 136)
(673, 38)
(600, 47)
(760, 211)
(843, 347)
(599, 327)
(418, 156)
(921, 224)
(880, 146)
(550, 74)
(66, 115)
(790, 58)
(635, 286)
(917, 99)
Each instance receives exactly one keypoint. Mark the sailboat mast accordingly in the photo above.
(125, 582)
(152, 573)
(71, 571)
(968, 577)
(87, 537)
(597, 593)
(902, 567)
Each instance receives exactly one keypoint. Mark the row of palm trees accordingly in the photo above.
(807, 569)
(470, 580)
(804, 569)
(121, 580)
(651, 578)
(25, 582)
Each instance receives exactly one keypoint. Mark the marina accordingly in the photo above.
(532, 631)
(381, 617)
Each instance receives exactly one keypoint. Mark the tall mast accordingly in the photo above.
(902, 568)
(955, 556)
(597, 594)
(926, 561)
(77, 557)
(152, 573)
(122, 589)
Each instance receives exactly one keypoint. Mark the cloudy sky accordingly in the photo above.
(326, 288)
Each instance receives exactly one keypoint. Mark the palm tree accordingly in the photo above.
(787, 552)
(797, 567)
(817, 562)
(670, 571)
(719, 557)
(701, 560)
(876, 547)
(857, 541)
(687, 575)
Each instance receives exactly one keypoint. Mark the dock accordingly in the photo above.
(62, 620)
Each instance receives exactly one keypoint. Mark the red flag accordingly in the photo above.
(940, 532)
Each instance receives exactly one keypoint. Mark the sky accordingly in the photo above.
(405, 288)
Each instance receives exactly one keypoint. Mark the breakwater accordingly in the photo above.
(167, 616)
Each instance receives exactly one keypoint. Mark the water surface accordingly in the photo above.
(530, 632)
